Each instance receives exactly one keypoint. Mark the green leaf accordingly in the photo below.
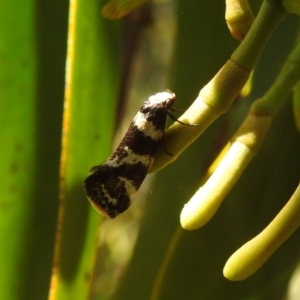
(32, 75)
(89, 117)
(32, 57)
(18, 119)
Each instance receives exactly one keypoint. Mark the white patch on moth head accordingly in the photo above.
(161, 97)
(147, 127)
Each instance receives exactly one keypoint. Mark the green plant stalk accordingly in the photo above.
(269, 16)
(286, 80)
(217, 96)
(245, 144)
(89, 110)
(158, 283)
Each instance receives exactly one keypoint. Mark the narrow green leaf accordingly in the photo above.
(89, 110)
(32, 55)
(18, 72)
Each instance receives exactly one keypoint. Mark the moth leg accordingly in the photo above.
(182, 123)
(175, 109)
(167, 152)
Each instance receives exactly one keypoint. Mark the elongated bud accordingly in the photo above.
(252, 255)
(239, 18)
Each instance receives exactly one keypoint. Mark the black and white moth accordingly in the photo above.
(110, 187)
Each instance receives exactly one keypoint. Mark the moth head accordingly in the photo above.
(164, 100)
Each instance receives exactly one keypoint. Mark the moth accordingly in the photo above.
(110, 187)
